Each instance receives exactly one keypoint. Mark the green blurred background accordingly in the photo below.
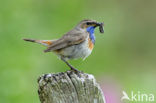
(124, 56)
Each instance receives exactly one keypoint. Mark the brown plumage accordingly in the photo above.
(71, 38)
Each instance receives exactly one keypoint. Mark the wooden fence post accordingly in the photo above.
(69, 87)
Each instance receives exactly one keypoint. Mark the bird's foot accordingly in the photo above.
(75, 70)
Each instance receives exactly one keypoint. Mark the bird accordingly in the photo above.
(75, 44)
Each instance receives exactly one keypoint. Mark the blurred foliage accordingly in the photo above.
(126, 52)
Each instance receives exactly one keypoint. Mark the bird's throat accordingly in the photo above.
(90, 30)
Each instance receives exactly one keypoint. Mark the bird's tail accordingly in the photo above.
(43, 42)
(30, 40)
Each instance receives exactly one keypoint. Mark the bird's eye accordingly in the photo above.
(88, 23)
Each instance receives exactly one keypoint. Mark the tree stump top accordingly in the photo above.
(69, 87)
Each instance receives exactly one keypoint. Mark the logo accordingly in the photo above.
(137, 97)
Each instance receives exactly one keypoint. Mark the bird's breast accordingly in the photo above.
(90, 44)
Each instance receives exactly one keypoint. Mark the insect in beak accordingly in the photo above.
(101, 27)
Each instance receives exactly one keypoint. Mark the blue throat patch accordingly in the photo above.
(91, 33)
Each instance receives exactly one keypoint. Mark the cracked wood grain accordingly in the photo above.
(69, 87)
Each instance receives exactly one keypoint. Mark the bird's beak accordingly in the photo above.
(101, 27)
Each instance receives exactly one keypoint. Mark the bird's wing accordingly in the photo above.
(71, 38)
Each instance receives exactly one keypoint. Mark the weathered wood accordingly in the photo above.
(69, 87)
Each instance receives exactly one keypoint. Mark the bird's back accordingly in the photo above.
(73, 37)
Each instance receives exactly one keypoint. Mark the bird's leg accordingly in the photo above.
(71, 67)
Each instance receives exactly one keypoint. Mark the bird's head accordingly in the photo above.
(87, 24)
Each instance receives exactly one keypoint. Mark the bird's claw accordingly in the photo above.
(76, 70)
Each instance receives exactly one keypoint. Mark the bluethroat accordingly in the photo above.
(77, 43)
